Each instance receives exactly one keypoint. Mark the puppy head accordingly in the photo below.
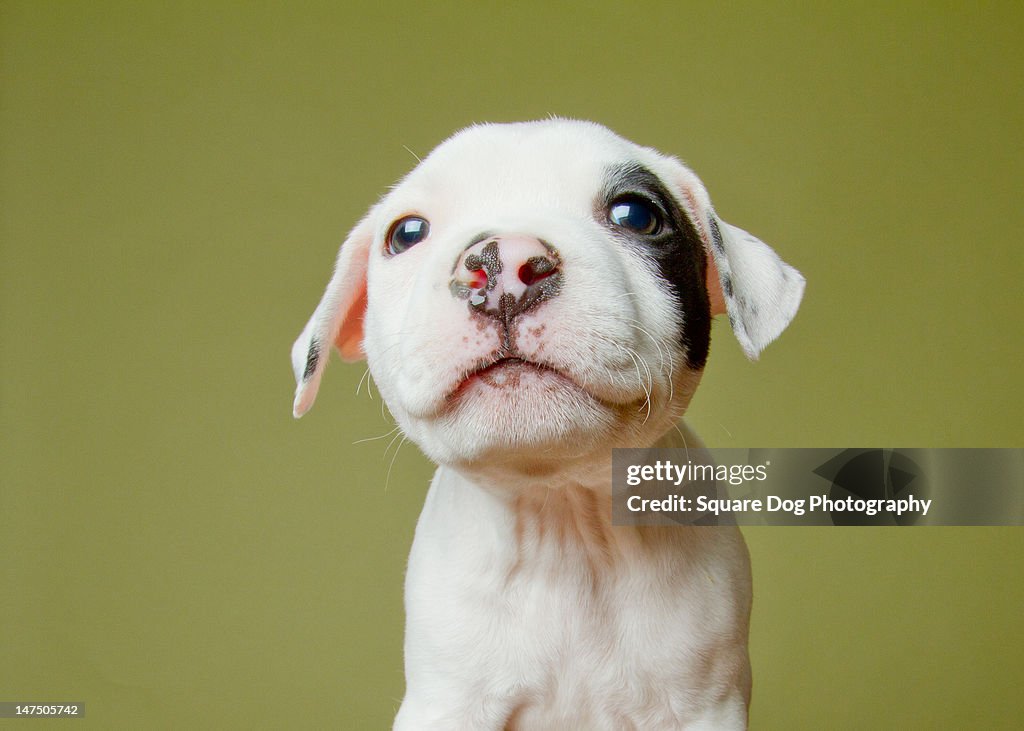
(540, 291)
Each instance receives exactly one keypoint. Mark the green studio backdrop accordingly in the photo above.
(177, 552)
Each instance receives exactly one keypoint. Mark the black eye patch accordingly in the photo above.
(638, 207)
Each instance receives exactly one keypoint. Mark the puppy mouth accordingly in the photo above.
(507, 374)
(504, 370)
(508, 371)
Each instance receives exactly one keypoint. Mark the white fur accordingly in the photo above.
(526, 608)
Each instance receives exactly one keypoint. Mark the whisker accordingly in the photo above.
(359, 386)
(682, 436)
(406, 148)
(374, 439)
(661, 352)
(387, 480)
(646, 387)
(397, 436)
(628, 294)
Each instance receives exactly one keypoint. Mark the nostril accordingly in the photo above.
(476, 279)
(535, 269)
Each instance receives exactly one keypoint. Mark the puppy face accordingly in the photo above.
(541, 289)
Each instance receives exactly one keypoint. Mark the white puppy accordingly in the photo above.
(529, 297)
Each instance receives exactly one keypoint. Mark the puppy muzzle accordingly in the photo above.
(503, 276)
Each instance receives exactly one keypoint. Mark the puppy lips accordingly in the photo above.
(510, 372)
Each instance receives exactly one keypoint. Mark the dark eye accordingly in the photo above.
(407, 232)
(636, 215)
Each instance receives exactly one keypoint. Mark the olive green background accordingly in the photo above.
(177, 552)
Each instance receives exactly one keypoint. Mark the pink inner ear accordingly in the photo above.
(349, 340)
(714, 287)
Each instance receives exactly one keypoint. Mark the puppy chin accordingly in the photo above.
(518, 414)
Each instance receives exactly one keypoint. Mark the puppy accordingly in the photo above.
(528, 298)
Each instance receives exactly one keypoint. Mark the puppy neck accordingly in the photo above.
(556, 517)
(510, 477)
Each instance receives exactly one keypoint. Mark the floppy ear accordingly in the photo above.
(337, 320)
(745, 278)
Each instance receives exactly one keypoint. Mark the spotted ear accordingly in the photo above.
(337, 320)
(761, 293)
(745, 278)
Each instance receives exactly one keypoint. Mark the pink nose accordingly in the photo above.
(503, 276)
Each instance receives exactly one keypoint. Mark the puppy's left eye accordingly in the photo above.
(636, 215)
(406, 233)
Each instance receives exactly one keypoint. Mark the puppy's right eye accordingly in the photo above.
(406, 233)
